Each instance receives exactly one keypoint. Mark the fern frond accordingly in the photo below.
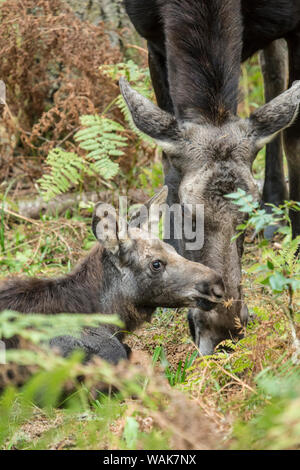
(66, 170)
(139, 78)
(136, 75)
(101, 139)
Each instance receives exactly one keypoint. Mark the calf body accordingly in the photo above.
(195, 51)
(101, 342)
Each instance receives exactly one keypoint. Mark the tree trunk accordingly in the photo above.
(112, 13)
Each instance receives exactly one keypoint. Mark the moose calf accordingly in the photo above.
(130, 276)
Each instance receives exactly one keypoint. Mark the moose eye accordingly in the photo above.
(156, 265)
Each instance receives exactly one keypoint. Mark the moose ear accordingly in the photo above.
(273, 117)
(110, 229)
(149, 118)
(149, 213)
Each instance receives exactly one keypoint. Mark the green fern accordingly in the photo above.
(140, 77)
(100, 137)
(67, 170)
(140, 80)
(101, 140)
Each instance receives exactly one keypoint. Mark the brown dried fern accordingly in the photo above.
(50, 64)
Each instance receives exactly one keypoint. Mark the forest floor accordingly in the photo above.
(185, 402)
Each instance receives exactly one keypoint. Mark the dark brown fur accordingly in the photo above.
(75, 292)
(116, 277)
(204, 48)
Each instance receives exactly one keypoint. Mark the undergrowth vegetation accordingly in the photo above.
(54, 68)
(65, 129)
(101, 138)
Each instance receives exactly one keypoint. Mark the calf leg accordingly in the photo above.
(274, 68)
(292, 134)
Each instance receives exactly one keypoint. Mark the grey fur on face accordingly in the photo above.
(208, 162)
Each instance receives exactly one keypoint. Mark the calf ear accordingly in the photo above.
(110, 229)
(273, 117)
(149, 212)
(149, 118)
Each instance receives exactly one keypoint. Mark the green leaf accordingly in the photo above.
(130, 433)
(270, 265)
(278, 282)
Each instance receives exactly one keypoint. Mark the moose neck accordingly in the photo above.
(224, 255)
(204, 46)
(95, 286)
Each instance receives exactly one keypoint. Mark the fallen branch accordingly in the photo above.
(29, 209)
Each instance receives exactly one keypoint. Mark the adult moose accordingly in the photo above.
(129, 275)
(195, 51)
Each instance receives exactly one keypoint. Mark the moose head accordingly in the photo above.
(151, 273)
(209, 162)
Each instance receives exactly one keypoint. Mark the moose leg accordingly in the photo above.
(274, 68)
(146, 18)
(292, 135)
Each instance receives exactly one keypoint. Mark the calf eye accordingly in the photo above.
(156, 265)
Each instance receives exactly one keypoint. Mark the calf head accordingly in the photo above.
(211, 161)
(152, 273)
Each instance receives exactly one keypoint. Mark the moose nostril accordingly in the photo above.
(218, 289)
(203, 288)
(213, 288)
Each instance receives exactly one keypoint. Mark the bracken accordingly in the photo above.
(50, 64)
